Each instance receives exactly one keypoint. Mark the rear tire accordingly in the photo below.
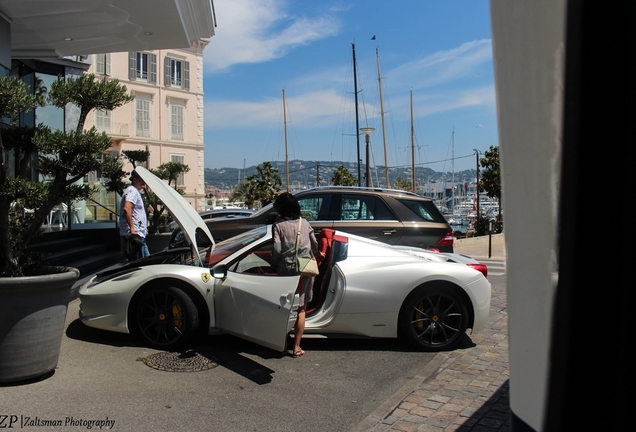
(165, 318)
(434, 318)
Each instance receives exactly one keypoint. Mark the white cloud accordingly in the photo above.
(252, 31)
(310, 109)
(325, 108)
(433, 103)
(324, 98)
(444, 66)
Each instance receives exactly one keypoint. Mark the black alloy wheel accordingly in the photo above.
(434, 319)
(165, 318)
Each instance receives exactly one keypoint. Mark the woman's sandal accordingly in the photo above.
(298, 353)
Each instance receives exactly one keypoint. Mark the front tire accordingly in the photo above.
(434, 318)
(165, 318)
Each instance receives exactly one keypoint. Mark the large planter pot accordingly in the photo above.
(32, 318)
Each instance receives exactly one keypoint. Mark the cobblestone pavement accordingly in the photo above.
(467, 390)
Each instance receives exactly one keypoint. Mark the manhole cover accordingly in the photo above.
(189, 361)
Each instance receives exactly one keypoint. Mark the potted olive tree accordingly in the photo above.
(34, 298)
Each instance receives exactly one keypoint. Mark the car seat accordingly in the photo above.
(325, 265)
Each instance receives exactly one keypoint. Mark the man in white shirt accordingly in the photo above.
(133, 220)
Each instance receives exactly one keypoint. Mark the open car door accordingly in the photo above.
(258, 307)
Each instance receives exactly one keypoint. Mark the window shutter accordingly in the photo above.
(107, 62)
(142, 119)
(166, 72)
(153, 69)
(132, 65)
(99, 63)
(181, 159)
(176, 122)
(186, 75)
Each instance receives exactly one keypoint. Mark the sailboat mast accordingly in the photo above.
(386, 159)
(413, 147)
(355, 92)
(453, 170)
(286, 150)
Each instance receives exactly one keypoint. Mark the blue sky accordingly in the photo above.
(441, 50)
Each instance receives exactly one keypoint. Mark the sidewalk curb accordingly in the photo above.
(376, 418)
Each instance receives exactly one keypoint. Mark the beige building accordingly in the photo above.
(41, 40)
(166, 117)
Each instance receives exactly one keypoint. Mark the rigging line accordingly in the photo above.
(448, 149)
(292, 135)
(278, 141)
(343, 104)
(364, 109)
(273, 134)
(355, 87)
(435, 162)
(363, 102)
(375, 167)
(416, 133)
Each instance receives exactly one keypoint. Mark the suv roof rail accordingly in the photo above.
(364, 188)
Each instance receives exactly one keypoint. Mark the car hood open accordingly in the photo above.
(195, 230)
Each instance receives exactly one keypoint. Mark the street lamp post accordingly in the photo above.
(367, 131)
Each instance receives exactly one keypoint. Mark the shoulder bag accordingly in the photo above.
(306, 266)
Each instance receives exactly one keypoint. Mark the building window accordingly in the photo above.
(102, 64)
(142, 116)
(177, 73)
(176, 121)
(142, 67)
(96, 176)
(50, 115)
(141, 71)
(102, 120)
(180, 159)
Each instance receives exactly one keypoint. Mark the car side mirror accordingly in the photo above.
(219, 272)
(271, 218)
(340, 251)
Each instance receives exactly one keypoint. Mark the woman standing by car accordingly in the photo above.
(286, 234)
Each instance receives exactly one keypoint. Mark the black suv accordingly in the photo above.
(390, 216)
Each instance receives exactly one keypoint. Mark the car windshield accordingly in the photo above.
(227, 247)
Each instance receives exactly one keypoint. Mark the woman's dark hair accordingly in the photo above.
(287, 206)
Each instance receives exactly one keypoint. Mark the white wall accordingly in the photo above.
(528, 48)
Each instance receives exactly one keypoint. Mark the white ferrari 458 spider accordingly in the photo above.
(365, 289)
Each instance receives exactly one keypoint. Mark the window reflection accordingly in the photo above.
(49, 115)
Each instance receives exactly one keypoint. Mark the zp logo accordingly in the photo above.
(7, 421)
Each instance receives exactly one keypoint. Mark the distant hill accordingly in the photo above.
(304, 174)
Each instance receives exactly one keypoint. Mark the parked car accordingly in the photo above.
(365, 288)
(390, 216)
(227, 213)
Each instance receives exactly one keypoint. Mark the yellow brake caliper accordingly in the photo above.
(177, 313)
(419, 317)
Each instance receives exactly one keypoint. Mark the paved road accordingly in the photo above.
(101, 375)
(339, 385)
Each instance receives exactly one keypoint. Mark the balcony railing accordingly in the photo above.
(116, 128)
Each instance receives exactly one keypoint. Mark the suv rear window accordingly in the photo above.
(364, 207)
(315, 207)
(424, 210)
